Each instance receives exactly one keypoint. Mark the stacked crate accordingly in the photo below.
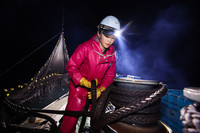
(171, 105)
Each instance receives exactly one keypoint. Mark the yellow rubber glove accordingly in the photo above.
(84, 82)
(99, 91)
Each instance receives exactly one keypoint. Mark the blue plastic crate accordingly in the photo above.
(174, 96)
(171, 105)
(173, 115)
(165, 98)
(175, 128)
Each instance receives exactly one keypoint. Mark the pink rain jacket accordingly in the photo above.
(88, 61)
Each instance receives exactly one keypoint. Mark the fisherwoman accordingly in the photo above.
(92, 60)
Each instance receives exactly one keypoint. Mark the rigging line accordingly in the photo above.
(63, 17)
(6, 71)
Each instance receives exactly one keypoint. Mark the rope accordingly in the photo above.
(98, 117)
(149, 119)
(86, 107)
(125, 111)
(63, 19)
(26, 109)
(7, 70)
(36, 113)
(94, 99)
(28, 112)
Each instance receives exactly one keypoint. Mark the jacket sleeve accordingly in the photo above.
(109, 75)
(74, 64)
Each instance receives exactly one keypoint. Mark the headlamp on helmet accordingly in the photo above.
(108, 32)
(110, 26)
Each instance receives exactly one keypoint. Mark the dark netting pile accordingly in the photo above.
(51, 80)
(50, 83)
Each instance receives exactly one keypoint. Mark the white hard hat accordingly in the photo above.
(112, 22)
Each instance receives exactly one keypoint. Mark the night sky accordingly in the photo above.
(161, 43)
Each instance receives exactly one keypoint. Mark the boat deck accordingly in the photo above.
(40, 123)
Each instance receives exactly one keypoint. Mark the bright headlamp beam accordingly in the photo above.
(117, 33)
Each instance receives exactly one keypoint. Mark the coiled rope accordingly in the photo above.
(125, 111)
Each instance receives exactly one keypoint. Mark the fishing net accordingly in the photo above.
(51, 79)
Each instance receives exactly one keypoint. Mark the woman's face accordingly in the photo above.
(105, 41)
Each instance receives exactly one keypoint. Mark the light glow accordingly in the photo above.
(117, 33)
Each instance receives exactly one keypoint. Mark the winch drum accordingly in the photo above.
(126, 92)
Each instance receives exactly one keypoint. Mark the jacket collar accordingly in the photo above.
(96, 46)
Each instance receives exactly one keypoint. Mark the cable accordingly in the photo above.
(63, 19)
(7, 70)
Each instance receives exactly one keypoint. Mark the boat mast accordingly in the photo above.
(63, 15)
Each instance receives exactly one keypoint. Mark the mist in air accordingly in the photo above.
(149, 59)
